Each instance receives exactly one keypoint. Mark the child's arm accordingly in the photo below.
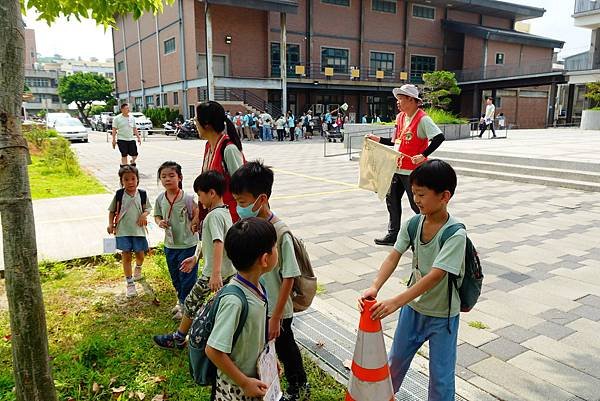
(385, 271)
(275, 319)
(216, 281)
(252, 387)
(111, 220)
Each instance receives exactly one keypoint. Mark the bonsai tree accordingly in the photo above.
(592, 92)
(438, 88)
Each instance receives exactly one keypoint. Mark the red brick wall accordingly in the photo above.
(473, 52)
(496, 22)
(463, 16)
(511, 52)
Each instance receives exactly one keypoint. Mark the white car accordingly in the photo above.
(52, 117)
(71, 129)
(141, 121)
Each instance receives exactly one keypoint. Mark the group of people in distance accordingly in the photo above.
(240, 247)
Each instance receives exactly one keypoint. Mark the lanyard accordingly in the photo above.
(171, 204)
(211, 155)
(262, 294)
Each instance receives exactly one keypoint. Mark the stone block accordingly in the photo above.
(467, 355)
(503, 349)
(516, 333)
(558, 316)
(552, 330)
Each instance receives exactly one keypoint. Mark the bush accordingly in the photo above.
(444, 117)
(161, 115)
(439, 87)
(59, 156)
(39, 136)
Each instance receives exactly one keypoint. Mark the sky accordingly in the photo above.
(73, 39)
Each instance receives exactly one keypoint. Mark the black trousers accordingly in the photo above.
(280, 134)
(487, 126)
(400, 184)
(289, 355)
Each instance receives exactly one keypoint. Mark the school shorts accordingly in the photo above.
(127, 148)
(198, 296)
(132, 244)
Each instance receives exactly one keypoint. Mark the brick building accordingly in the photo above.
(337, 51)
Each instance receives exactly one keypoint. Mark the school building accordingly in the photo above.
(337, 51)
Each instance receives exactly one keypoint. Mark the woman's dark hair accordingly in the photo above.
(208, 180)
(436, 175)
(175, 166)
(213, 114)
(249, 239)
(128, 169)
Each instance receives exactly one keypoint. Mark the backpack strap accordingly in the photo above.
(413, 225)
(452, 278)
(143, 198)
(119, 200)
(238, 292)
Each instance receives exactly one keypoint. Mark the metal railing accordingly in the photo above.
(386, 132)
(316, 71)
(241, 95)
(504, 70)
(583, 6)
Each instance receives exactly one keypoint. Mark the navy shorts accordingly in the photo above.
(132, 244)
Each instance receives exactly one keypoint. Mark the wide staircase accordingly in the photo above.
(245, 98)
(559, 173)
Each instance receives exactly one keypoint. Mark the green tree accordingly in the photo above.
(83, 88)
(439, 87)
(32, 375)
(592, 92)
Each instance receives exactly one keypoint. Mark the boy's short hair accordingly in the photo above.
(436, 175)
(123, 105)
(128, 169)
(208, 180)
(253, 177)
(249, 239)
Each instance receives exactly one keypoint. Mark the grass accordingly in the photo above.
(478, 325)
(51, 183)
(99, 340)
(438, 116)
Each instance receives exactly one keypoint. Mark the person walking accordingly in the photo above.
(123, 129)
(280, 125)
(414, 130)
(291, 125)
(488, 122)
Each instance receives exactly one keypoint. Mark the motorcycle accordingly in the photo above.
(187, 130)
(171, 127)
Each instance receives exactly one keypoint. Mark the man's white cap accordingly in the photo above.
(408, 90)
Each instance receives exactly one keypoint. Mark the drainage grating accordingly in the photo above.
(333, 344)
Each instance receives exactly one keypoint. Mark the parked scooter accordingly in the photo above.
(187, 130)
(171, 127)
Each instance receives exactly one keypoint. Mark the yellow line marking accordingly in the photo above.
(309, 194)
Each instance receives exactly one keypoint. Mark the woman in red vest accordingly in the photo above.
(414, 130)
(223, 151)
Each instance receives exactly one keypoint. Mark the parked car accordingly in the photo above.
(141, 121)
(52, 117)
(71, 129)
(96, 122)
(106, 118)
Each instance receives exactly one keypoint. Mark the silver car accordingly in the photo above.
(71, 129)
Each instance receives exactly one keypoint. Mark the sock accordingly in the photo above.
(138, 266)
(179, 336)
(129, 279)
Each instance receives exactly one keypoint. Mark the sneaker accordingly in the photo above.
(168, 341)
(176, 308)
(178, 315)
(137, 273)
(389, 239)
(131, 291)
(295, 393)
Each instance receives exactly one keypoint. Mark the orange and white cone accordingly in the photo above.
(370, 374)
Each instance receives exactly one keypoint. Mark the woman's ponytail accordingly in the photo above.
(233, 134)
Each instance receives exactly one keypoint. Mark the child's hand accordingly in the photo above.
(195, 224)
(274, 328)
(370, 292)
(163, 224)
(111, 229)
(216, 282)
(143, 220)
(188, 264)
(254, 388)
(384, 308)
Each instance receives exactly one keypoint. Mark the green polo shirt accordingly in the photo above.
(124, 126)
(131, 209)
(214, 228)
(179, 221)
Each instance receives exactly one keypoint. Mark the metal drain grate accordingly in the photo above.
(332, 344)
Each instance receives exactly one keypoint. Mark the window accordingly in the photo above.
(192, 110)
(165, 99)
(169, 46)
(38, 82)
(382, 61)
(120, 66)
(423, 12)
(337, 2)
(336, 58)
(385, 6)
(175, 98)
(139, 104)
(420, 65)
(499, 58)
(157, 100)
(110, 75)
(219, 66)
(149, 101)
(293, 59)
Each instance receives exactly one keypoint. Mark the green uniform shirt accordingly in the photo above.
(233, 158)
(214, 228)
(131, 209)
(450, 258)
(425, 129)
(124, 126)
(251, 341)
(287, 267)
(180, 223)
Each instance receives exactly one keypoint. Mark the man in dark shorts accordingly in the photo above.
(123, 129)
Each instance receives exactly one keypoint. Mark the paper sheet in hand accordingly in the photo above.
(378, 164)
(268, 372)
(109, 244)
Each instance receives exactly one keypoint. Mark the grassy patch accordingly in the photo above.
(440, 116)
(47, 182)
(321, 289)
(478, 325)
(99, 340)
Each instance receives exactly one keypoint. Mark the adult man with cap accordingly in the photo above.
(414, 131)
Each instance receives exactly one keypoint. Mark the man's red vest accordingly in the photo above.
(218, 164)
(410, 143)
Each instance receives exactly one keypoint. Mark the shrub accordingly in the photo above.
(592, 92)
(438, 88)
(59, 156)
(444, 117)
(161, 115)
(39, 136)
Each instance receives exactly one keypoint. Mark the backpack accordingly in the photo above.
(470, 289)
(203, 371)
(238, 121)
(189, 203)
(250, 121)
(305, 285)
(119, 200)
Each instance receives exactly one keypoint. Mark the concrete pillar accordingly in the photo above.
(182, 61)
(283, 59)
(158, 61)
(551, 105)
(485, 57)
(125, 56)
(570, 103)
(139, 40)
(210, 75)
(595, 49)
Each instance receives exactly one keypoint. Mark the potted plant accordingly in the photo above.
(590, 118)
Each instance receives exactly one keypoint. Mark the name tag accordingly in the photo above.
(397, 145)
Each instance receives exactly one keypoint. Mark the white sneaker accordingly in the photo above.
(178, 315)
(131, 291)
(176, 308)
(137, 273)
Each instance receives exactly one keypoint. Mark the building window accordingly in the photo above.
(138, 103)
(219, 66)
(385, 6)
(165, 99)
(420, 65)
(423, 12)
(169, 46)
(149, 101)
(293, 59)
(192, 110)
(110, 75)
(38, 82)
(382, 61)
(120, 66)
(337, 2)
(175, 98)
(499, 58)
(335, 58)
(157, 100)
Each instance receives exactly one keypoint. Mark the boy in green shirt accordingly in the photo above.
(251, 186)
(252, 246)
(425, 313)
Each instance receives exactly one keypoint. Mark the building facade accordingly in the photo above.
(337, 51)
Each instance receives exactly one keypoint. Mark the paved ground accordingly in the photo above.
(540, 248)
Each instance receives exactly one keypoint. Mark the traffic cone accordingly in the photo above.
(370, 374)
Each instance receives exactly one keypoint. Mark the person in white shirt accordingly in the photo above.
(490, 111)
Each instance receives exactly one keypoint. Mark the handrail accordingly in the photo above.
(583, 6)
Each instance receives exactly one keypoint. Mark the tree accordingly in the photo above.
(32, 375)
(592, 92)
(83, 88)
(439, 86)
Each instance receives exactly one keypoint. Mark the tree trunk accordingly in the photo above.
(33, 380)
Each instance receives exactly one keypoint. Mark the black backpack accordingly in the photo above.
(470, 288)
(203, 371)
(119, 202)
(250, 121)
